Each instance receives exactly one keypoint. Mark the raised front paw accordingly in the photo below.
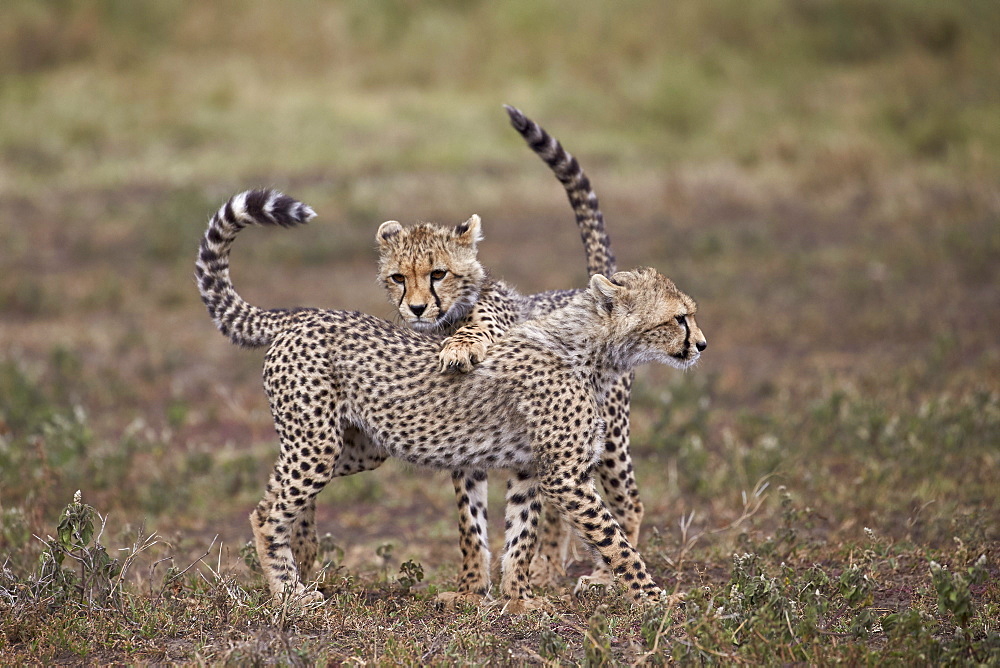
(459, 355)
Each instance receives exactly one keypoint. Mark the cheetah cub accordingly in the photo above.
(347, 390)
(432, 275)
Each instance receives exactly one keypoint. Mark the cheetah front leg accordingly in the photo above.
(615, 470)
(489, 319)
(571, 489)
(465, 348)
(474, 581)
(617, 476)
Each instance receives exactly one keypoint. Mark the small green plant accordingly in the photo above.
(856, 587)
(95, 576)
(410, 573)
(597, 641)
(384, 552)
(655, 621)
(550, 644)
(331, 554)
(953, 590)
(760, 604)
(785, 542)
(248, 553)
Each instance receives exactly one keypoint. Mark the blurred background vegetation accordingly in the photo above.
(822, 176)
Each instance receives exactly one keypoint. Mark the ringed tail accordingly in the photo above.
(244, 324)
(590, 220)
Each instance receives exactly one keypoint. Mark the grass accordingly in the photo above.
(820, 176)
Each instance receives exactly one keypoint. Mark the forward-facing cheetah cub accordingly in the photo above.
(433, 277)
(348, 390)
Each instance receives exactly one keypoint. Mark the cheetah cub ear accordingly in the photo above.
(604, 291)
(470, 232)
(388, 230)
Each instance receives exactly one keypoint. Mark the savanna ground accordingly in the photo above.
(824, 178)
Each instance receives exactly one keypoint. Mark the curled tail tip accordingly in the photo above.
(517, 118)
(303, 213)
(269, 205)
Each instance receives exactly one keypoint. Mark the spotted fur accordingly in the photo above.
(432, 275)
(347, 390)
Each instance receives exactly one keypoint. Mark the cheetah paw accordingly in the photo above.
(545, 571)
(521, 606)
(312, 597)
(299, 598)
(669, 600)
(657, 599)
(451, 600)
(599, 578)
(461, 355)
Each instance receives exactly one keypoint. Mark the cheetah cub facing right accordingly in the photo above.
(432, 275)
(347, 390)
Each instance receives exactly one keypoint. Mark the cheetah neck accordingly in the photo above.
(451, 320)
(584, 341)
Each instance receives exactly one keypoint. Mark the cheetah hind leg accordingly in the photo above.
(617, 477)
(305, 544)
(359, 454)
(349, 452)
(276, 558)
(548, 566)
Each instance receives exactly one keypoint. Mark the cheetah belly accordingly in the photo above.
(468, 423)
(484, 451)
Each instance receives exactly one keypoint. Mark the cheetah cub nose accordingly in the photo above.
(701, 345)
(418, 309)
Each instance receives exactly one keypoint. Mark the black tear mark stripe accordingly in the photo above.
(402, 297)
(437, 300)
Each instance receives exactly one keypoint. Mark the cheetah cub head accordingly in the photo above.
(646, 318)
(431, 273)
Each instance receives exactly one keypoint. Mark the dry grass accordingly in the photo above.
(822, 177)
